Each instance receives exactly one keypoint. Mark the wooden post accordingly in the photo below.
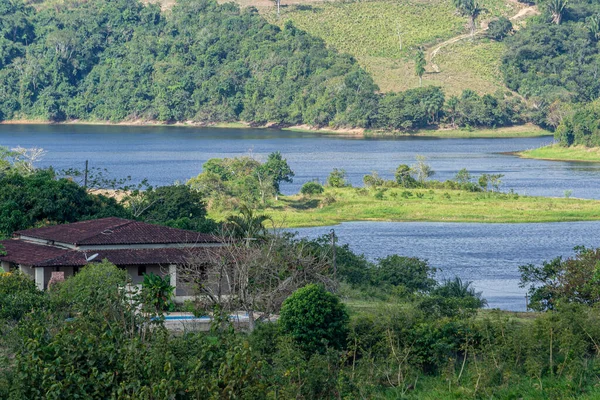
(85, 176)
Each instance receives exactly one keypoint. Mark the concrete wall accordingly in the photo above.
(4, 266)
(138, 279)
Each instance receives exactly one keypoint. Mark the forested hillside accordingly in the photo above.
(115, 60)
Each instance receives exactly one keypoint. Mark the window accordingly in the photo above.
(141, 270)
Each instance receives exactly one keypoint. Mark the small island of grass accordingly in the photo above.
(336, 205)
(556, 152)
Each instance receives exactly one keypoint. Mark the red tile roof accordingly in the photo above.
(37, 255)
(20, 252)
(116, 231)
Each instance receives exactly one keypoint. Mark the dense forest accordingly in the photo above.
(203, 62)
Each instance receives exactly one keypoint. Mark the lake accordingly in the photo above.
(166, 154)
(487, 254)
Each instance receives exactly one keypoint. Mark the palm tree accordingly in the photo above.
(594, 26)
(247, 225)
(557, 9)
(471, 9)
(458, 289)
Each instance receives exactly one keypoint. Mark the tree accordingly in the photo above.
(40, 198)
(420, 65)
(499, 28)
(556, 9)
(404, 176)
(422, 169)
(594, 26)
(311, 188)
(463, 177)
(412, 273)
(247, 224)
(457, 288)
(574, 280)
(315, 319)
(255, 277)
(337, 178)
(470, 9)
(178, 206)
(278, 169)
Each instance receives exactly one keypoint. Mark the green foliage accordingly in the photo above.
(157, 292)
(412, 109)
(420, 65)
(115, 60)
(457, 288)
(574, 280)
(412, 273)
(18, 296)
(581, 127)
(178, 206)
(311, 188)
(247, 224)
(499, 28)
(404, 176)
(550, 61)
(39, 198)
(242, 180)
(470, 109)
(97, 288)
(277, 168)
(421, 169)
(315, 319)
(337, 178)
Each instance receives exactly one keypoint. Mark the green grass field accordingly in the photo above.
(357, 204)
(559, 153)
(368, 30)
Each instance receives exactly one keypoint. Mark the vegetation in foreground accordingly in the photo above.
(558, 152)
(419, 339)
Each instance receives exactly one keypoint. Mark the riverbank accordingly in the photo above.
(556, 152)
(357, 204)
(520, 131)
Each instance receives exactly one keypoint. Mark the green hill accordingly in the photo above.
(368, 30)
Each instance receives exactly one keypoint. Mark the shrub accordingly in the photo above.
(311, 188)
(18, 295)
(411, 272)
(98, 287)
(315, 319)
(499, 28)
(157, 292)
(337, 178)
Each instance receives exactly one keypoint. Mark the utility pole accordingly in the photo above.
(332, 233)
(85, 176)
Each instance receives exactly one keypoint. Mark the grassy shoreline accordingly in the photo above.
(556, 152)
(422, 205)
(518, 131)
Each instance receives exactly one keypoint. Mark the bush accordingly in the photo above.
(157, 292)
(98, 287)
(315, 319)
(411, 272)
(18, 295)
(311, 188)
(499, 28)
(337, 178)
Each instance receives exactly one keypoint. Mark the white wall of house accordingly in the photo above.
(5, 266)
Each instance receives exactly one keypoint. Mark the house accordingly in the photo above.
(135, 246)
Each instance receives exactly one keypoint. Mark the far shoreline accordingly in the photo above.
(516, 131)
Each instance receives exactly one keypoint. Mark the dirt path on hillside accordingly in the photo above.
(525, 11)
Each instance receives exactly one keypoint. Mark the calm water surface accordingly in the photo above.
(166, 154)
(487, 254)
